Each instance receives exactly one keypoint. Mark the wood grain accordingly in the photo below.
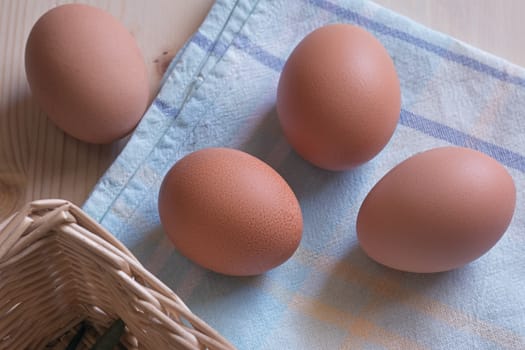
(38, 161)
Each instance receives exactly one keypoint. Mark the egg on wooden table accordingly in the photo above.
(437, 210)
(87, 73)
(230, 212)
(338, 97)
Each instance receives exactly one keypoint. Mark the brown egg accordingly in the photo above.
(230, 212)
(437, 210)
(86, 73)
(338, 98)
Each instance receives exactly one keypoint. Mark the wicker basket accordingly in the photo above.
(59, 268)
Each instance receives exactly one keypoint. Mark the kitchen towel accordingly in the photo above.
(220, 90)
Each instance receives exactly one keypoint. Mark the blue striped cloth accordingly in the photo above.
(220, 91)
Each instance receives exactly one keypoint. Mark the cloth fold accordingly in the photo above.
(220, 90)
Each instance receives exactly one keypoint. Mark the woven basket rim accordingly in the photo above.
(21, 234)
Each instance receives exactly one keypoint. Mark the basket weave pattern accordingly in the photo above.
(59, 268)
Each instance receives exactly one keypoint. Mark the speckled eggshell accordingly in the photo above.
(338, 97)
(230, 212)
(437, 210)
(87, 73)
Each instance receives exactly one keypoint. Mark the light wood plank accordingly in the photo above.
(36, 159)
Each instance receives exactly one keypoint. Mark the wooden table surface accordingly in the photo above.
(38, 161)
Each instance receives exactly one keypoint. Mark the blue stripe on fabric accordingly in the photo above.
(218, 48)
(165, 108)
(407, 118)
(423, 44)
(202, 41)
(429, 127)
(245, 44)
(459, 138)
